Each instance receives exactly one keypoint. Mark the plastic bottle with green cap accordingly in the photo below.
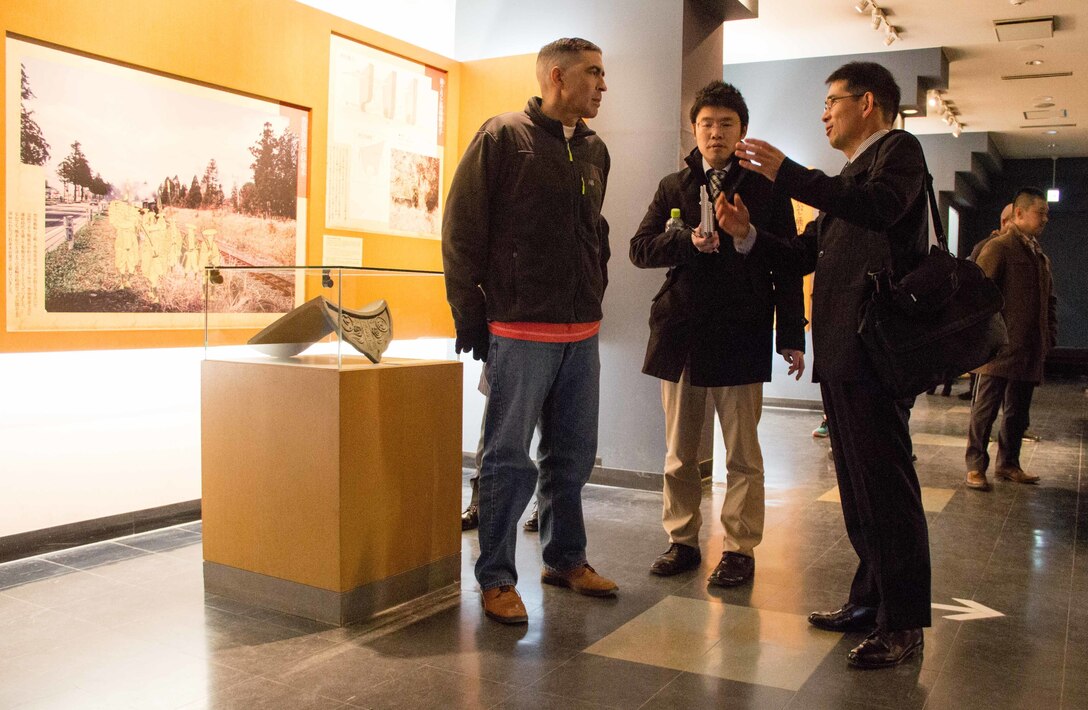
(675, 222)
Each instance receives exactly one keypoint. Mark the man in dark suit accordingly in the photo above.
(711, 330)
(873, 218)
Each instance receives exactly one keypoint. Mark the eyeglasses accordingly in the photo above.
(832, 99)
(724, 124)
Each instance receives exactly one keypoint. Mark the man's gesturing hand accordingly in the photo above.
(761, 157)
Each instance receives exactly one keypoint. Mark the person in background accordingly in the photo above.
(1016, 262)
(1006, 215)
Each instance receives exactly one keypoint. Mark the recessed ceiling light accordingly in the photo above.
(1051, 132)
(1030, 47)
(1034, 62)
(909, 111)
(1045, 104)
(1043, 98)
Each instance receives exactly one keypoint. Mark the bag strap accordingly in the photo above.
(938, 228)
(934, 214)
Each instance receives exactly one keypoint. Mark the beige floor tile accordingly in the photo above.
(731, 642)
(934, 500)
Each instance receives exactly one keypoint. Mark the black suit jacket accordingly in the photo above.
(716, 312)
(874, 216)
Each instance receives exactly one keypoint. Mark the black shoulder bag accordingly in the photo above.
(937, 322)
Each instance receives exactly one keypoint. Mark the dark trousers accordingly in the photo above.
(881, 502)
(1013, 397)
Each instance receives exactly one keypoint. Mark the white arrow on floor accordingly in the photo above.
(970, 610)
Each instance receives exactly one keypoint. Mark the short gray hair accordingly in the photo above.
(560, 53)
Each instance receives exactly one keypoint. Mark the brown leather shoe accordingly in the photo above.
(583, 580)
(1017, 475)
(977, 480)
(503, 604)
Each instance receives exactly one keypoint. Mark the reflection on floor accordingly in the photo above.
(126, 624)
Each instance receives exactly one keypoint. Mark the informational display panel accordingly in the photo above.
(386, 138)
(123, 185)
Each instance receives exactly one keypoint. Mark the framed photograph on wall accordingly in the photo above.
(386, 140)
(124, 184)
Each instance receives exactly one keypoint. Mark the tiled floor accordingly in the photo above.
(126, 624)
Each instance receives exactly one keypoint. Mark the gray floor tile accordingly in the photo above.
(699, 692)
(12, 574)
(427, 688)
(606, 681)
(159, 540)
(90, 556)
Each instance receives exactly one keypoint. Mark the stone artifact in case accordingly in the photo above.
(368, 329)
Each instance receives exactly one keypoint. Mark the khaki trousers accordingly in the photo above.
(739, 408)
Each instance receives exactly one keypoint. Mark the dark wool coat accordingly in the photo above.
(716, 312)
(523, 238)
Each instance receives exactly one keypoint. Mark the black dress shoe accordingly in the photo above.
(850, 617)
(533, 523)
(470, 519)
(886, 648)
(734, 569)
(678, 558)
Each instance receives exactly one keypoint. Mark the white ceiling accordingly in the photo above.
(793, 29)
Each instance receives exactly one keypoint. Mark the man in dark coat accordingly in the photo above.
(525, 251)
(1021, 270)
(711, 330)
(873, 217)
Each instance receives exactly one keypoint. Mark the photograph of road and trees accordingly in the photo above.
(148, 180)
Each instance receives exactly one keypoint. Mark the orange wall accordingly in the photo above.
(493, 86)
(271, 49)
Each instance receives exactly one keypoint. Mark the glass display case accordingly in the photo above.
(315, 315)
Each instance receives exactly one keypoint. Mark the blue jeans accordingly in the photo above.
(557, 384)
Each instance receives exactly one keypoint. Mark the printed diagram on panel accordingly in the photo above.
(386, 137)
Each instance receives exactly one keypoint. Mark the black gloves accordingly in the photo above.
(473, 340)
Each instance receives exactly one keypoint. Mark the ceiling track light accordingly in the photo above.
(878, 19)
(937, 105)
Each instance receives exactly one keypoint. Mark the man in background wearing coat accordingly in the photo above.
(711, 330)
(1021, 270)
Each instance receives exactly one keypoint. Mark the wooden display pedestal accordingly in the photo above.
(332, 494)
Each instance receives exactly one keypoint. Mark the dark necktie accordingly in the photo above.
(716, 178)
